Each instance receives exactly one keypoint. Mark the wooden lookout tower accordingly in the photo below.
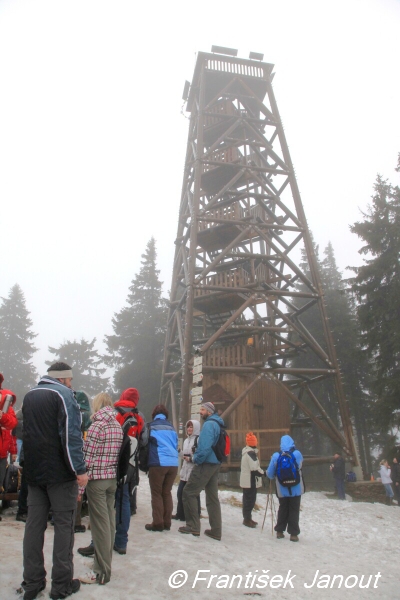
(244, 272)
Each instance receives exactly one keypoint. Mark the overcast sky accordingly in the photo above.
(92, 139)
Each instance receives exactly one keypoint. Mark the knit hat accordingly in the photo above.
(209, 406)
(130, 395)
(1, 379)
(251, 439)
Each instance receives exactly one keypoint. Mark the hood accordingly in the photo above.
(249, 449)
(4, 394)
(129, 398)
(287, 443)
(106, 414)
(196, 426)
(83, 401)
(216, 418)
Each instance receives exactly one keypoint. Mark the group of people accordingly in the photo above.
(64, 458)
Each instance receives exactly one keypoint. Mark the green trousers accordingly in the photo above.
(101, 498)
(203, 477)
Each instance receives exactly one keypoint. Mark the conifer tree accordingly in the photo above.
(16, 344)
(136, 348)
(377, 289)
(354, 369)
(85, 362)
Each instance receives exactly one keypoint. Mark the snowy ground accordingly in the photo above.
(337, 538)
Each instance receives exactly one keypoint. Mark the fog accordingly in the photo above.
(93, 135)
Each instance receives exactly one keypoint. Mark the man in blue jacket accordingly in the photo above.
(289, 497)
(54, 466)
(204, 477)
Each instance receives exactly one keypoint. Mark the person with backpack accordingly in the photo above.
(102, 451)
(132, 422)
(188, 449)
(204, 476)
(285, 467)
(250, 478)
(162, 466)
(338, 469)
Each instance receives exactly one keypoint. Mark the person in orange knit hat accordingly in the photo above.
(250, 478)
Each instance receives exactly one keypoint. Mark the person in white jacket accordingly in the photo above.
(250, 478)
(384, 472)
(189, 446)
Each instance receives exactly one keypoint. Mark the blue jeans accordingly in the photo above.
(388, 490)
(123, 516)
(340, 489)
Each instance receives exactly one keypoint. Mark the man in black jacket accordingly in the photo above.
(54, 467)
(395, 477)
(339, 473)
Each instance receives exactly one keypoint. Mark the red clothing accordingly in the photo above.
(8, 442)
(135, 430)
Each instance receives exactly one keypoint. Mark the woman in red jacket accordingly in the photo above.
(8, 420)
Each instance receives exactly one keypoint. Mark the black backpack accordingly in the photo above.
(143, 450)
(10, 483)
(127, 467)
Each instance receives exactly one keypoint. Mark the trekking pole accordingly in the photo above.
(265, 514)
(272, 506)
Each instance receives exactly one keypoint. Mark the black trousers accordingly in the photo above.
(249, 500)
(61, 499)
(288, 515)
(180, 513)
(23, 496)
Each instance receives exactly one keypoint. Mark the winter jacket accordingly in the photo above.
(207, 439)
(384, 472)
(187, 467)
(53, 442)
(84, 407)
(395, 473)
(250, 470)
(287, 444)
(8, 421)
(339, 468)
(102, 445)
(163, 443)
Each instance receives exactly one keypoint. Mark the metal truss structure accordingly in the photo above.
(239, 286)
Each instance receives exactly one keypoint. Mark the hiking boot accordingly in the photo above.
(21, 517)
(79, 529)
(75, 587)
(186, 529)
(294, 538)
(280, 535)
(212, 535)
(119, 550)
(249, 523)
(255, 522)
(167, 527)
(152, 527)
(87, 550)
(32, 594)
